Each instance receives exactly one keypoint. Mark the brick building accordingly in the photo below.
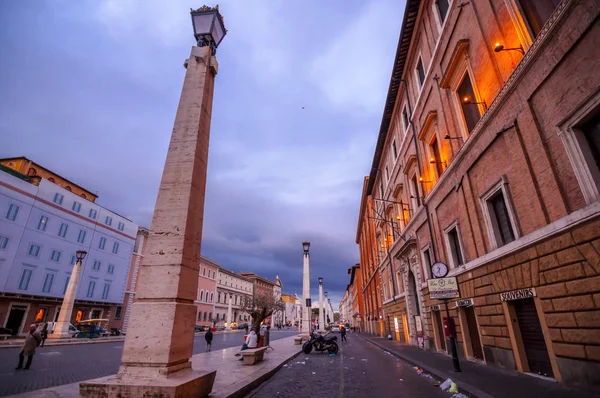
(488, 160)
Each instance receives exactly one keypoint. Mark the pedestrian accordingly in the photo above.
(44, 334)
(32, 340)
(343, 333)
(208, 337)
(251, 342)
(246, 328)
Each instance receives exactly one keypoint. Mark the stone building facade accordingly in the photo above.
(235, 288)
(488, 160)
(207, 288)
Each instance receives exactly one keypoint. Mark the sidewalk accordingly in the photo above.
(479, 380)
(233, 379)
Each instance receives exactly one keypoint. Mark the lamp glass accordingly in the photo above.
(320, 280)
(80, 254)
(306, 246)
(202, 22)
(218, 31)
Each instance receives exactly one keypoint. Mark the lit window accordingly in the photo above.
(91, 287)
(25, 278)
(102, 243)
(537, 12)
(55, 255)
(115, 248)
(58, 198)
(43, 223)
(454, 247)
(470, 109)
(48, 283)
(93, 213)
(108, 221)
(3, 242)
(62, 232)
(12, 212)
(81, 237)
(34, 250)
(96, 266)
(121, 226)
(76, 206)
(105, 291)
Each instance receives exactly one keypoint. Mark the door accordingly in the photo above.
(533, 338)
(440, 329)
(473, 333)
(405, 327)
(15, 318)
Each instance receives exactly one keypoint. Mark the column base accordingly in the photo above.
(185, 383)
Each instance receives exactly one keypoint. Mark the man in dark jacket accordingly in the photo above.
(208, 337)
(343, 333)
(32, 340)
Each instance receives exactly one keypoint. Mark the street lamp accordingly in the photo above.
(209, 29)
(61, 329)
(306, 291)
(306, 246)
(321, 313)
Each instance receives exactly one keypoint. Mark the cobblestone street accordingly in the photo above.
(359, 370)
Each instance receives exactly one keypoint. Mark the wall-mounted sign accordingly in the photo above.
(464, 302)
(443, 288)
(518, 294)
(435, 307)
(396, 327)
(418, 323)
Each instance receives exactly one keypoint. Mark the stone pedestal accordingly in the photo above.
(160, 337)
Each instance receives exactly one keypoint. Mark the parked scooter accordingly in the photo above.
(321, 343)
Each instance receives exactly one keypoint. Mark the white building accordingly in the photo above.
(42, 225)
(231, 286)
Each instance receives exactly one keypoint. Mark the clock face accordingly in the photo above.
(439, 270)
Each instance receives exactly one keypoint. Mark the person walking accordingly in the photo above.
(32, 340)
(343, 333)
(208, 337)
(44, 334)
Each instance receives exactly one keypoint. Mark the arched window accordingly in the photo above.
(205, 315)
(31, 171)
(68, 188)
(83, 196)
(51, 179)
(211, 297)
(210, 316)
(206, 297)
(201, 295)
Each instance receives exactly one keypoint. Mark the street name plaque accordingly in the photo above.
(443, 288)
(518, 294)
(464, 302)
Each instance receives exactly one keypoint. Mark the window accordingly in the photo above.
(211, 297)
(3, 242)
(199, 315)
(420, 72)
(435, 154)
(48, 283)
(25, 277)
(51, 180)
(499, 218)
(118, 312)
(66, 284)
(73, 260)
(427, 263)
(12, 212)
(111, 269)
(93, 213)
(442, 8)
(55, 255)
(470, 110)
(399, 282)
(115, 248)
(62, 232)
(105, 291)
(414, 187)
(387, 173)
(121, 226)
(504, 228)
(31, 171)
(81, 237)
(76, 206)
(454, 247)
(537, 12)
(201, 295)
(91, 287)
(68, 188)
(96, 266)
(83, 196)
(203, 271)
(58, 198)
(34, 250)
(394, 149)
(108, 221)
(405, 120)
(102, 243)
(42, 223)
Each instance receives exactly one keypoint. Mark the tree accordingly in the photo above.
(260, 307)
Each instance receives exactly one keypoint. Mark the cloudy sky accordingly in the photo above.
(90, 89)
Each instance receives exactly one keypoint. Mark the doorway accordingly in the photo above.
(15, 318)
(532, 336)
(475, 342)
(439, 330)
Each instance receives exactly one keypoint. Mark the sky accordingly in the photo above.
(89, 89)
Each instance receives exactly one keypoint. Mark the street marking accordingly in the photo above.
(341, 391)
(51, 353)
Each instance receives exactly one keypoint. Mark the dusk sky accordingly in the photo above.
(90, 90)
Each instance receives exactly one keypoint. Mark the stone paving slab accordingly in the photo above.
(233, 378)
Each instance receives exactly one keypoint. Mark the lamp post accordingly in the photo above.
(61, 329)
(229, 311)
(321, 314)
(158, 358)
(306, 291)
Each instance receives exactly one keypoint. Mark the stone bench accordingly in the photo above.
(253, 355)
(297, 340)
(4, 336)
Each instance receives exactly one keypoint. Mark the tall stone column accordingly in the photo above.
(306, 295)
(229, 311)
(160, 339)
(61, 329)
(321, 306)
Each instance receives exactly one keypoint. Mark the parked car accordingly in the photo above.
(51, 325)
(242, 326)
(335, 328)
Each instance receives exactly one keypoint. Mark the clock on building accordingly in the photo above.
(439, 270)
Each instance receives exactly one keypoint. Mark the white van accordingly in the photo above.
(51, 325)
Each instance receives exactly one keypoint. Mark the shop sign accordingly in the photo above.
(396, 327)
(418, 323)
(518, 294)
(464, 302)
(443, 288)
(435, 307)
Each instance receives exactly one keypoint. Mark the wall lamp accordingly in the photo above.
(433, 161)
(421, 180)
(468, 101)
(447, 137)
(499, 47)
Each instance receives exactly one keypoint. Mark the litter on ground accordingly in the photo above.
(446, 384)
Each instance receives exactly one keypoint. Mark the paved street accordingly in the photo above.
(56, 365)
(359, 370)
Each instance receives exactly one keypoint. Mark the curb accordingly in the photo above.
(463, 387)
(59, 343)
